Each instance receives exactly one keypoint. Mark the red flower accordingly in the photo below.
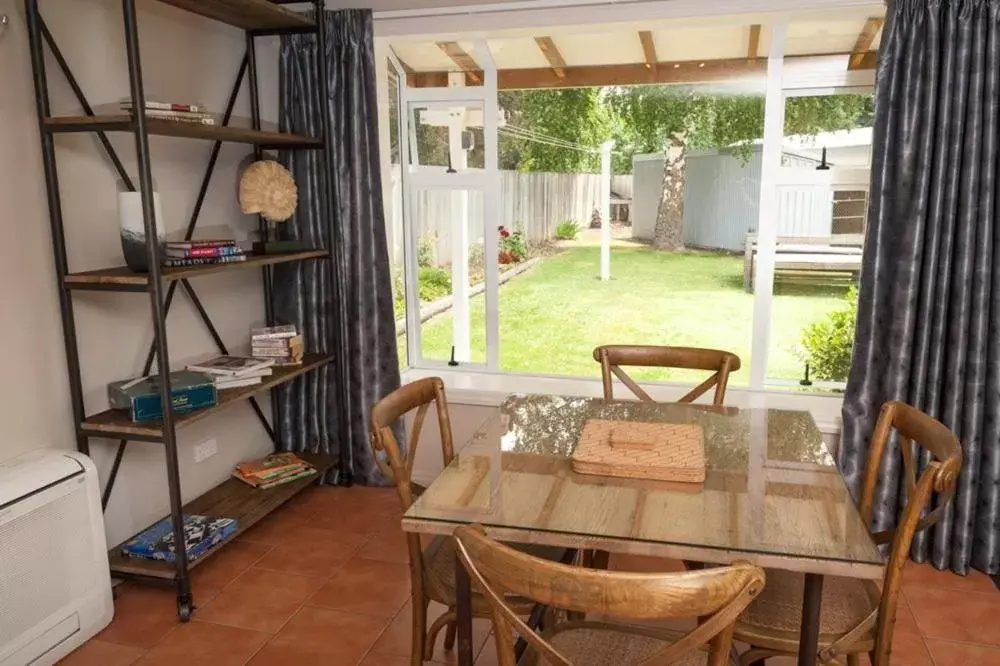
(504, 233)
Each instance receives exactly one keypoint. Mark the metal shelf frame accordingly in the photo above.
(161, 292)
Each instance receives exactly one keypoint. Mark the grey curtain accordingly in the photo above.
(344, 305)
(929, 308)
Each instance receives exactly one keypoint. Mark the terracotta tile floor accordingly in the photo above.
(299, 589)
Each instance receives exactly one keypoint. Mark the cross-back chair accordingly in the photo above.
(858, 617)
(716, 596)
(432, 569)
(613, 357)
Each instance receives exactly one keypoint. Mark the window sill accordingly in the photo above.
(488, 389)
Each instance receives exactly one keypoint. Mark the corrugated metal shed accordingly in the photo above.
(722, 199)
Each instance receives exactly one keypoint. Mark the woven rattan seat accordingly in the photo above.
(846, 602)
(594, 644)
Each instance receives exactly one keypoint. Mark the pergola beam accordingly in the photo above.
(591, 76)
(551, 53)
(864, 42)
(753, 49)
(649, 49)
(463, 60)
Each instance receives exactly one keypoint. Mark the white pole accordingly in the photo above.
(460, 314)
(774, 124)
(606, 209)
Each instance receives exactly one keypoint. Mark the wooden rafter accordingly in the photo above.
(681, 71)
(865, 40)
(753, 49)
(551, 53)
(648, 49)
(463, 60)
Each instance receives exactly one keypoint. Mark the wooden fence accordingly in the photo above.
(532, 202)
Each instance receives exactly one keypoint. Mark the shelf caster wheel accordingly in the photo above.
(184, 610)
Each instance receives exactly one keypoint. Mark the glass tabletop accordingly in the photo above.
(771, 485)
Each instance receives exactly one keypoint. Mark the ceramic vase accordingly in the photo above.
(133, 231)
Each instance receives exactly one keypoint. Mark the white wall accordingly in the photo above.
(184, 57)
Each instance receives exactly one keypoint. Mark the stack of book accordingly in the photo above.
(281, 344)
(181, 113)
(202, 252)
(274, 470)
(234, 371)
(200, 534)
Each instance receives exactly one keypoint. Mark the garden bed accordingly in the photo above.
(443, 304)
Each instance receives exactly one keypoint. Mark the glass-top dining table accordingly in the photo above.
(772, 496)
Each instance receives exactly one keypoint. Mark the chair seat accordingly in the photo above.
(846, 602)
(439, 566)
(599, 644)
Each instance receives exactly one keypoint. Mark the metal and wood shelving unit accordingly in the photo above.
(232, 498)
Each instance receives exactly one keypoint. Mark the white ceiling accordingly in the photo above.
(679, 39)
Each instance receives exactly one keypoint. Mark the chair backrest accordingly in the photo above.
(613, 357)
(387, 412)
(932, 468)
(717, 596)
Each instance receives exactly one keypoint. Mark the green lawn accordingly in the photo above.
(552, 317)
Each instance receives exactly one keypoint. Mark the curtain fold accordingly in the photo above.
(343, 306)
(928, 328)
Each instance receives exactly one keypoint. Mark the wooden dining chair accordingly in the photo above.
(432, 569)
(716, 596)
(613, 357)
(857, 616)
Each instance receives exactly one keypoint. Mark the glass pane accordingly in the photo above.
(449, 231)
(822, 206)
(676, 251)
(448, 136)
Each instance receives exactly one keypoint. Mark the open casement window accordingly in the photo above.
(451, 186)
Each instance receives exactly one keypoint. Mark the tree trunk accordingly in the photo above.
(669, 231)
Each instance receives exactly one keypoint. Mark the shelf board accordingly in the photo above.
(231, 499)
(158, 126)
(115, 424)
(128, 280)
(246, 14)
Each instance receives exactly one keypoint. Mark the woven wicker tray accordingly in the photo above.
(638, 450)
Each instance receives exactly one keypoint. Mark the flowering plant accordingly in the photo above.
(512, 249)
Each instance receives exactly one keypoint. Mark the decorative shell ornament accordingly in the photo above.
(268, 189)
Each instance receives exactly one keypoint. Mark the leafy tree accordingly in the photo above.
(576, 115)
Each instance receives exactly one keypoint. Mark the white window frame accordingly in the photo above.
(781, 84)
(485, 181)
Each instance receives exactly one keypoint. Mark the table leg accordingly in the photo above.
(812, 598)
(463, 610)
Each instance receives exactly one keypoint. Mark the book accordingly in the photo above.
(181, 262)
(276, 343)
(230, 366)
(270, 466)
(273, 332)
(200, 243)
(126, 104)
(200, 534)
(271, 352)
(209, 251)
(223, 383)
(280, 480)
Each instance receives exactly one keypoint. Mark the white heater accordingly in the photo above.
(55, 586)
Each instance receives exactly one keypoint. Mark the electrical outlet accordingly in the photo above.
(205, 450)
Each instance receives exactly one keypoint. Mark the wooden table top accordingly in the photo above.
(772, 493)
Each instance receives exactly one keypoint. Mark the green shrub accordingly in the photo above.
(434, 283)
(426, 251)
(828, 342)
(567, 230)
